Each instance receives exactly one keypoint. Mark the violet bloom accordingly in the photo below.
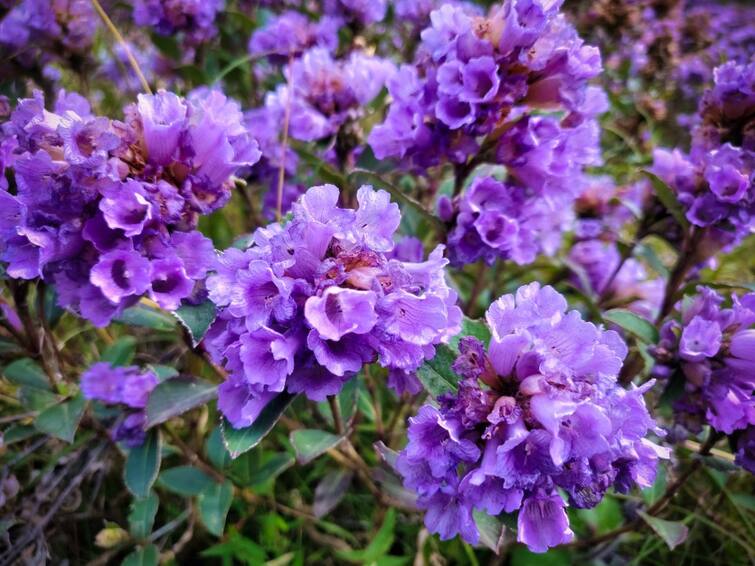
(194, 19)
(108, 210)
(473, 72)
(127, 387)
(327, 93)
(497, 220)
(363, 12)
(309, 303)
(35, 32)
(291, 33)
(538, 412)
(714, 181)
(710, 350)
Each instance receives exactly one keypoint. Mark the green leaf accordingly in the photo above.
(656, 491)
(196, 319)
(175, 396)
(606, 516)
(37, 399)
(214, 503)
(491, 530)
(62, 420)
(436, 374)
(143, 465)
(274, 466)
(239, 547)
(380, 545)
(145, 556)
(26, 372)
(673, 533)
(520, 556)
(17, 433)
(121, 352)
(398, 195)
(311, 443)
(633, 323)
(477, 328)
(320, 168)
(668, 199)
(147, 317)
(141, 517)
(184, 480)
(330, 491)
(216, 452)
(52, 311)
(163, 372)
(239, 440)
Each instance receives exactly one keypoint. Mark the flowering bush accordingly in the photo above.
(377, 282)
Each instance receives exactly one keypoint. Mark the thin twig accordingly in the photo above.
(284, 144)
(130, 56)
(336, 410)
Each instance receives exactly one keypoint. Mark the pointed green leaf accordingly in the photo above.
(144, 556)
(184, 480)
(141, 517)
(633, 323)
(26, 372)
(121, 352)
(176, 396)
(491, 530)
(214, 503)
(148, 317)
(311, 443)
(380, 545)
(62, 420)
(143, 465)
(673, 533)
(436, 374)
(239, 440)
(668, 199)
(216, 452)
(196, 319)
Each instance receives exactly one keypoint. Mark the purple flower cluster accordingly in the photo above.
(361, 12)
(292, 32)
(712, 350)
(496, 219)
(128, 387)
(33, 31)
(539, 412)
(473, 73)
(715, 182)
(630, 287)
(311, 301)
(193, 19)
(326, 93)
(603, 211)
(107, 210)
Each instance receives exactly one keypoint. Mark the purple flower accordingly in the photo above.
(475, 74)
(326, 92)
(195, 20)
(711, 347)
(108, 210)
(540, 410)
(125, 386)
(543, 523)
(120, 274)
(163, 119)
(309, 303)
(292, 32)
